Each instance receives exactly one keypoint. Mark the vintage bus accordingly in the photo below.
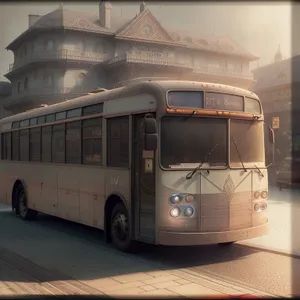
(164, 162)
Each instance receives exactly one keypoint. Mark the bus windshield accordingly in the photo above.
(248, 136)
(187, 142)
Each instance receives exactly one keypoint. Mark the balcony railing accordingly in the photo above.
(45, 91)
(152, 58)
(205, 70)
(61, 54)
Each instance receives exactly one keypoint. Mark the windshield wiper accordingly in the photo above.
(192, 114)
(238, 152)
(259, 171)
(191, 174)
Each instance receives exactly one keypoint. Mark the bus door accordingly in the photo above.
(143, 184)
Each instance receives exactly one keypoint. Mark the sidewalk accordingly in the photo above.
(47, 262)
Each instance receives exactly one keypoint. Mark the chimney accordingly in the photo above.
(104, 13)
(143, 7)
(32, 19)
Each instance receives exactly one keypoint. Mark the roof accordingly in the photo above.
(157, 87)
(62, 18)
(277, 74)
(5, 88)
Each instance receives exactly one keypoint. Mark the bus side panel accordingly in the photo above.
(92, 196)
(8, 173)
(68, 189)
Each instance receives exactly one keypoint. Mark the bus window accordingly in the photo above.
(60, 116)
(93, 109)
(92, 141)
(35, 144)
(73, 143)
(24, 123)
(33, 121)
(15, 145)
(118, 142)
(41, 119)
(50, 118)
(74, 113)
(46, 143)
(58, 143)
(24, 145)
(15, 125)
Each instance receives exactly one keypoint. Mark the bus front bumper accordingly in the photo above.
(169, 238)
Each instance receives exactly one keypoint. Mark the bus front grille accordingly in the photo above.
(220, 213)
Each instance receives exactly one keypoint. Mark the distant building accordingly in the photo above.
(65, 54)
(5, 92)
(273, 84)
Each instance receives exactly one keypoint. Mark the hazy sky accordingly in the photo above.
(257, 26)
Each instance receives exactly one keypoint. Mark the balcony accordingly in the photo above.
(61, 54)
(204, 70)
(42, 93)
(150, 58)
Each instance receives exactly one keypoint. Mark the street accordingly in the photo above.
(61, 257)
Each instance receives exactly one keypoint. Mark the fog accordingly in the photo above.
(258, 27)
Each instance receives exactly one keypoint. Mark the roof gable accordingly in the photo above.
(145, 27)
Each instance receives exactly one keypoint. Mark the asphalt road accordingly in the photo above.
(81, 253)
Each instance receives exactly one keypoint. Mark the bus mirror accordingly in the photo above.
(272, 136)
(150, 141)
(150, 124)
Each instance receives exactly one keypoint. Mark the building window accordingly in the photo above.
(26, 84)
(35, 144)
(49, 45)
(46, 143)
(19, 87)
(24, 145)
(58, 143)
(92, 141)
(15, 145)
(47, 80)
(73, 143)
(118, 142)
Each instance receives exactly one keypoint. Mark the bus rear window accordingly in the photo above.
(192, 99)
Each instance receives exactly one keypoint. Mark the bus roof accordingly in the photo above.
(156, 87)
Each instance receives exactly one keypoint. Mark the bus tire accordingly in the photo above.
(120, 229)
(24, 212)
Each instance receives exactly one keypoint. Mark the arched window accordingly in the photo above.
(80, 79)
(19, 87)
(26, 84)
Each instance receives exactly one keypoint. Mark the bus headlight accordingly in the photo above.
(175, 212)
(175, 198)
(189, 211)
(256, 207)
(256, 194)
(263, 206)
(264, 194)
(189, 198)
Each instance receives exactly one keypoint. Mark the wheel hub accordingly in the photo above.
(120, 226)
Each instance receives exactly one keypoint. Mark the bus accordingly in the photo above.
(166, 162)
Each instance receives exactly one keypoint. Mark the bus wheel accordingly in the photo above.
(25, 212)
(120, 229)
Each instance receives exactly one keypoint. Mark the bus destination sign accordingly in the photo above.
(223, 102)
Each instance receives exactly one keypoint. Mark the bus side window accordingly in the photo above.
(15, 145)
(73, 142)
(24, 145)
(35, 144)
(92, 141)
(118, 142)
(58, 143)
(46, 143)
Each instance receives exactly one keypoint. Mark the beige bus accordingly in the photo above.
(163, 162)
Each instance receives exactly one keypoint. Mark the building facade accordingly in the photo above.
(65, 54)
(5, 92)
(274, 84)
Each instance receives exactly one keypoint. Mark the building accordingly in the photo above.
(65, 54)
(273, 84)
(5, 92)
